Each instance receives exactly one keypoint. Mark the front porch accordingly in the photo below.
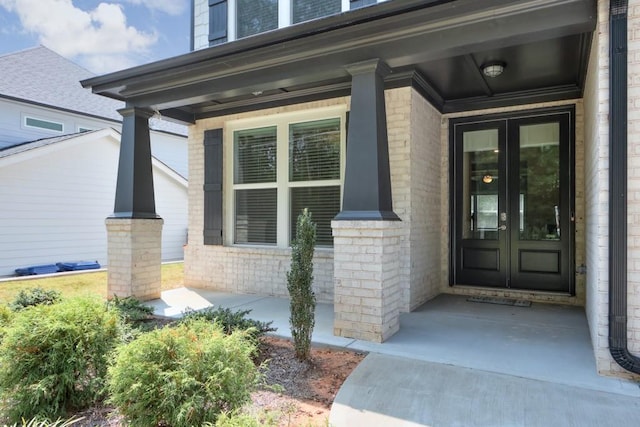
(543, 342)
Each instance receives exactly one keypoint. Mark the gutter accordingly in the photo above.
(618, 188)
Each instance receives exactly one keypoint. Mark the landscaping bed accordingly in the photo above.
(308, 387)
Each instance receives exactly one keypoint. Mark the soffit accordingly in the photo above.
(437, 47)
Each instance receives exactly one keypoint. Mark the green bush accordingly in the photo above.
(131, 309)
(53, 358)
(299, 283)
(244, 420)
(34, 296)
(34, 422)
(184, 375)
(5, 319)
(230, 320)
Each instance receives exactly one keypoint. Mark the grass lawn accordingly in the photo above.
(91, 283)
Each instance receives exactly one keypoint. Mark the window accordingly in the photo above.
(82, 129)
(305, 10)
(280, 169)
(256, 16)
(43, 124)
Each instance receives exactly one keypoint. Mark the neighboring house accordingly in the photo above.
(463, 146)
(57, 192)
(58, 157)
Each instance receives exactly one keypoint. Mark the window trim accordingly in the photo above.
(282, 122)
(28, 126)
(285, 15)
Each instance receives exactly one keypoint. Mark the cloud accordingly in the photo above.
(170, 7)
(100, 37)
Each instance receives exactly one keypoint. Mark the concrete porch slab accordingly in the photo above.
(458, 363)
(393, 391)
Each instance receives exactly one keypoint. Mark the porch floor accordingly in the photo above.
(527, 353)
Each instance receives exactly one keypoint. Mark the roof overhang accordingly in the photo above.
(435, 46)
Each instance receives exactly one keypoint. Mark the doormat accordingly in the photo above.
(501, 301)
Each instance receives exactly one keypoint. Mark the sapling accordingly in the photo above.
(299, 284)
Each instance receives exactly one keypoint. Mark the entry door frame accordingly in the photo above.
(481, 121)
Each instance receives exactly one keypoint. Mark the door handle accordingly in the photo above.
(502, 227)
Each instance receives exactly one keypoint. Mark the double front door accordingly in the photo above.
(513, 202)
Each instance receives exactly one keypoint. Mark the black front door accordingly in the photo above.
(512, 202)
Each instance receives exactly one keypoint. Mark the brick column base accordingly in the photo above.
(366, 279)
(134, 257)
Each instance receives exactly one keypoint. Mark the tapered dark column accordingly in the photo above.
(367, 182)
(134, 191)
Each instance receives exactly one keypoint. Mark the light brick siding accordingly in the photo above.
(413, 129)
(428, 229)
(633, 193)
(242, 269)
(134, 252)
(596, 127)
(367, 278)
(200, 24)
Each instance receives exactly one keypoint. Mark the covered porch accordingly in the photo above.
(398, 72)
(543, 342)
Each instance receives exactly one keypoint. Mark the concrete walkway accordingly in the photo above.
(458, 363)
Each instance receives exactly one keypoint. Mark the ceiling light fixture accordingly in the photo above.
(487, 179)
(493, 69)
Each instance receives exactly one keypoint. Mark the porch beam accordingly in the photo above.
(134, 189)
(367, 182)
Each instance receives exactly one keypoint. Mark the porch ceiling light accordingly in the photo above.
(487, 179)
(493, 69)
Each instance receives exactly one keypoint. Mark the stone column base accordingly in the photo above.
(366, 279)
(134, 257)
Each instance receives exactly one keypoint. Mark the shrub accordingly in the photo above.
(299, 281)
(5, 319)
(183, 375)
(263, 418)
(34, 296)
(34, 422)
(131, 309)
(53, 358)
(230, 320)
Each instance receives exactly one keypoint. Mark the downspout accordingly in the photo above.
(618, 187)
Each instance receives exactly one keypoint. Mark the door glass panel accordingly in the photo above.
(480, 184)
(539, 182)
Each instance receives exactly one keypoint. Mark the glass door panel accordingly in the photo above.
(539, 196)
(480, 184)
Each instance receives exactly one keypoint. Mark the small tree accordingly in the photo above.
(299, 281)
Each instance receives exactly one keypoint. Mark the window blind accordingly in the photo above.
(255, 158)
(324, 205)
(314, 150)
(256, 216)
(305, 10)
(256, 16)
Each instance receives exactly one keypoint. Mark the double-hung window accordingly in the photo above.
(281, 166)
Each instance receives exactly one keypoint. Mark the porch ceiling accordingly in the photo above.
(436, 46)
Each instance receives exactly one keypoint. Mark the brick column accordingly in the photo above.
(366, 279)
(135, 251)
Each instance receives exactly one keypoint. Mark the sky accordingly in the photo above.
(102, 36)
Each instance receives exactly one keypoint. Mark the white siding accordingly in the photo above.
(13, 130)
(55, 200)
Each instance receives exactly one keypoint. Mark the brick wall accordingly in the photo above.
(200, 24)
(367, 278)
(248, 270)
(428, 247)
(134, 250)
(413, 129)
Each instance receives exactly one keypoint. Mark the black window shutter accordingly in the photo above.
(355, 4)
(213, 187)
(217, 22)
